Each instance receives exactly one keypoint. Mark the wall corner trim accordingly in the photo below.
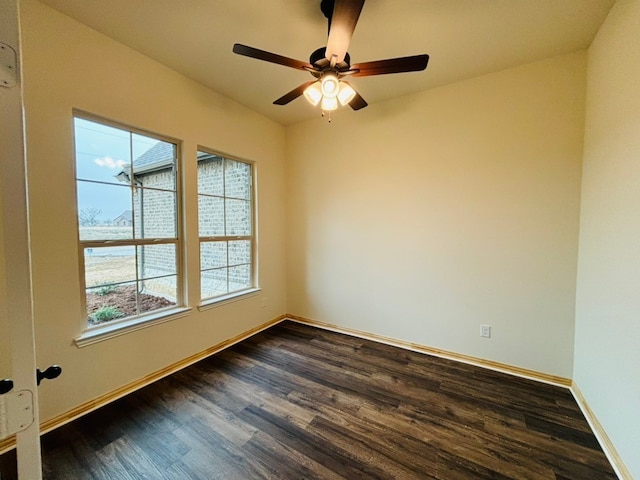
(601, 435)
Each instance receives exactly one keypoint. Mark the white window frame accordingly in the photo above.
(96, 333)
(253, 289)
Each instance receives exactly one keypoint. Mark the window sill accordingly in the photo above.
(100, 333)
(230, 298)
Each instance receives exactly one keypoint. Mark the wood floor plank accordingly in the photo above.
(297, 402)
(549, 449)
(328, 454)
(478, 447)
(212, 456)
(204, 461)
(377, 452)
(453, 467)
(286, 462)
(127, 459)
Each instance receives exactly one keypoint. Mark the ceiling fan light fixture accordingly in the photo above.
(346, 93)
(313, 93)
(330, 85)
(329, 104)
(328, 65)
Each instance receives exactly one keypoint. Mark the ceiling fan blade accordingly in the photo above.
(358, 102)
(414, 63)
(270, 57)
(293, 94)
(343, 23)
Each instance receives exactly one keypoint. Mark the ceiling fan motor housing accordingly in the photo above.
(318, 59)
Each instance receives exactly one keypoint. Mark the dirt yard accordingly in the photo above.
(124, 299)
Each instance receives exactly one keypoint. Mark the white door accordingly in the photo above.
(17, 347)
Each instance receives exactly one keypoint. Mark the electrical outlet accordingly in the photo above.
(485, 331)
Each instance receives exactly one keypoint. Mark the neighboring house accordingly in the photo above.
(125, 219)
(151, 217)
(153, 170)
(154, 174)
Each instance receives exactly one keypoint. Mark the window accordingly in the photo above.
(225, 217)
(127, 204)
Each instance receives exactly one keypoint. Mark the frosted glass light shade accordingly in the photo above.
(346, 93)
(329, 104)
(313, 93)
(330, 85)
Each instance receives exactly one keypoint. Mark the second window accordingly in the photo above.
(225, 219)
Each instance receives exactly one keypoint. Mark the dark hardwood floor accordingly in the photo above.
(296, 402)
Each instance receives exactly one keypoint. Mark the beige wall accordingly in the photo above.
(68, 65)
(425, 216)
(607, 359)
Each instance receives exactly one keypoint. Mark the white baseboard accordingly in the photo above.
(87, 407)
(599, 432)
(479, 362)
(601, 435)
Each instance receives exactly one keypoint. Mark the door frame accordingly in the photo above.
(15, 236)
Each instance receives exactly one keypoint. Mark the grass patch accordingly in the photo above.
(105, 314)
(106, 290)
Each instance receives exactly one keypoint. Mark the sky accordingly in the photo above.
(101, 152)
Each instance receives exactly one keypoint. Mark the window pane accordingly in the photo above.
(126, 184)
(239, 277)
(104, 211)
(238, 217)
(224, 210)
(154, 213)
(239, 252)
(106, 266)
(237, 179)
(210, 216)
(102, 152)
(213, 283)
(154, 163)
(156, 261)
(157, 293)
(157, 270)
(108, 303)
(213, 255)
(210, 174)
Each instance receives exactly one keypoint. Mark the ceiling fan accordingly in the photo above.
(330, 64)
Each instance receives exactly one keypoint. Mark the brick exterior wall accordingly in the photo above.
(154, 216)
(223, 185)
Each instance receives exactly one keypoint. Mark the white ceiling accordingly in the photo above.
(464, 38)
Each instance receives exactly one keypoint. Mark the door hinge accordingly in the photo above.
(8, 66)
(16, 412)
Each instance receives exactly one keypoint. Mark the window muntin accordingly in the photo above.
(225, 220)
(127, 205)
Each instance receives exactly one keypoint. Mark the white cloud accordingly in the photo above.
(109, 162)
